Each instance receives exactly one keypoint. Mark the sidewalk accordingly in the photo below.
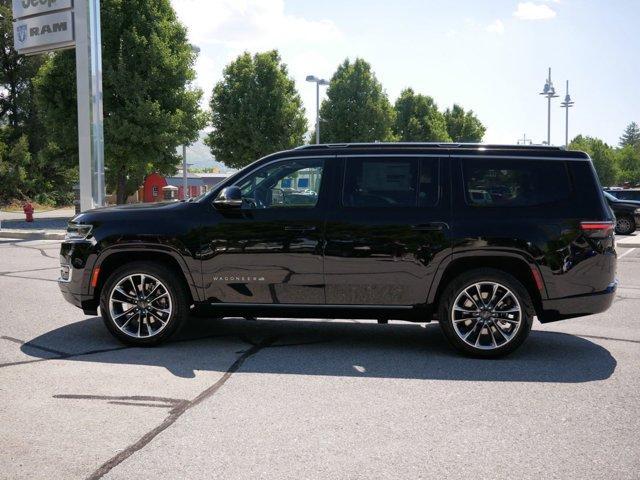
(628, 241)
(50, 225)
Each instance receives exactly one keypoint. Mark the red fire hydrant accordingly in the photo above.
(28, 211)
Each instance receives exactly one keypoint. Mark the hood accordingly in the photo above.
(130, 211)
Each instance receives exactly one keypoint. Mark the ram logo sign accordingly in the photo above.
(44, 32)
(22, 33)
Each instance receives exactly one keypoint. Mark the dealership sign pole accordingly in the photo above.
(47, 25)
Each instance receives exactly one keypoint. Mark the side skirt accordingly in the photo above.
(410, 313)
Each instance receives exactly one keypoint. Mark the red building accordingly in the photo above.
(154, 183)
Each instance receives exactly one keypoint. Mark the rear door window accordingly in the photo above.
(391, 182)
(515, 182)
(380, 182)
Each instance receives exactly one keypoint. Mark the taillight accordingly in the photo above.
(597, 229)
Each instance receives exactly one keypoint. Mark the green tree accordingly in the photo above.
(21, 176)
(17, 105)
(150, 104)
(628, 161)
(631, 136)
(356, 108)
(255, 110)
(14, 164)
(418, 119)
(463, 126)
(602, 155)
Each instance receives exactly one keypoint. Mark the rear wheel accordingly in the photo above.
(143, 303)
(625, 225)
(486, 313)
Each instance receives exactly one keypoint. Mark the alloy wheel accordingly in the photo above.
(486, 315)
(140, 305)
(623, 225)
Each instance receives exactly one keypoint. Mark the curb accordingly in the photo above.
(32, 234)
(628, 241)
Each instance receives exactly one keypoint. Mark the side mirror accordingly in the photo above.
(229, 197)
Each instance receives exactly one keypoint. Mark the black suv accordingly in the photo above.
(627, 213)
(481, 238)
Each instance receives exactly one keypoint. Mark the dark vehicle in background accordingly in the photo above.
(627, 214)
(481, 238)
(625, 194)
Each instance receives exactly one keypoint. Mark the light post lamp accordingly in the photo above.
(318, 82)
(567, 104)
(549, 92)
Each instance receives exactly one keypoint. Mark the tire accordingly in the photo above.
(625, 225)
(154, 316)
(474, 332)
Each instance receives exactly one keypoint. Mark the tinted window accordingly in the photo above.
(628, 195)
(293, 183)
(429, 188)
(390, 182)
(515, 183)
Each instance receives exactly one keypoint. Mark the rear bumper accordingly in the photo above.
(577, 306)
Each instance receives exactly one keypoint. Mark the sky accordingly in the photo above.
(489, 56)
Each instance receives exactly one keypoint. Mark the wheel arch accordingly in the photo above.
(509, 262)
(113, 258)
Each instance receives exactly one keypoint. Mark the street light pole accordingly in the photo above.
(567, 104)
(550, 92)
(318, 82)
(185, 181)
(317, 113)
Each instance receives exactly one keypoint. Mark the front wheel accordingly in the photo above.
(486, 313)
(625, 225)
(143, 303)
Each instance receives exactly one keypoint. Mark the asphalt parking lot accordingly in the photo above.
(239, 399)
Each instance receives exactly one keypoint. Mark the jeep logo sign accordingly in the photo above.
(43, 32)
(25, 8)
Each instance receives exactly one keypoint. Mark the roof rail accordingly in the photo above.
(426, 144)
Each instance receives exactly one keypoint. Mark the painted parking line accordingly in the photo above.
(626, 253)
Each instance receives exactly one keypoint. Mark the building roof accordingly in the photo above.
(179, 181)
(211, 179)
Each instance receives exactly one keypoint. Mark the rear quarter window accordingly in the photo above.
(515, 182)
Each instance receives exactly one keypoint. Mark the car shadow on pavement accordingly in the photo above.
(333, 348)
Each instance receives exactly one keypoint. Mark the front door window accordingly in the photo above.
(286, 184)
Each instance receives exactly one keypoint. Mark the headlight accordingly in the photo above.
(637, 211)
(77, 231)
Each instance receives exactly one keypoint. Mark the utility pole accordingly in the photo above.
(549, 92)
(524, 140)
(567, 104)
